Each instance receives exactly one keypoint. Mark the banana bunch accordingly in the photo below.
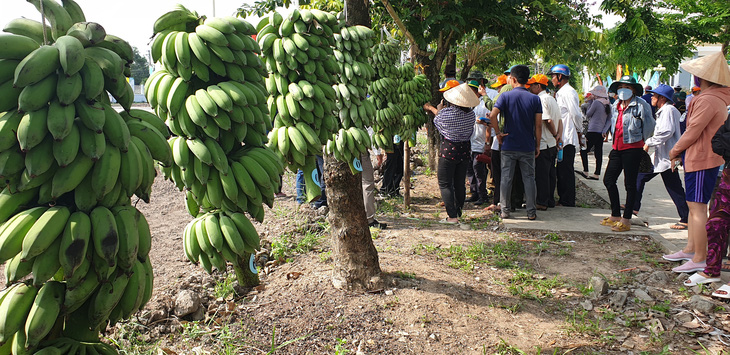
(211, 92)
(215, 237)
(63, 145)
(384, 94)
(298, 55)
(65, 345)
(414, 91)
(96, 263)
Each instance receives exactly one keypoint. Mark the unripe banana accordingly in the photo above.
(14, 308)
(44, 231)
(104, 234)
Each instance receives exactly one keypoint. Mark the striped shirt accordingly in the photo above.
(454, 124)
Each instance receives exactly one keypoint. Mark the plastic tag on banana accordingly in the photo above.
(357, 164)
(315, 177)
(252, 265)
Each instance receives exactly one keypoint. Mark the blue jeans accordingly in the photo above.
(300, 187)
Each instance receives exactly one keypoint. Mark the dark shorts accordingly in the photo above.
(700, 184)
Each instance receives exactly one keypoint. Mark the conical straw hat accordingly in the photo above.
(462, 95)
(712, 68)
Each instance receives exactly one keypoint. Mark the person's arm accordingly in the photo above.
(595, 105)
(694, 129)
(538, 132)
(494, 122)
(663, 130)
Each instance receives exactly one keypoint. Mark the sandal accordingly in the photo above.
(620, 227)
(725, 289)
(582, 173)
(699, 279)
(679, 226)
(608, 222)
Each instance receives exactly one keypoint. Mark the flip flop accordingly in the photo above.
(698, 279)
(723, 288)
(581, 174)
(679, 226)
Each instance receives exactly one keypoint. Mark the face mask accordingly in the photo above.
(624, 94)
(697, 81)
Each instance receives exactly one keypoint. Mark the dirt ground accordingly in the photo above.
(467, 289)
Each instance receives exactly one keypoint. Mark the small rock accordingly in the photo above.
(628, 344)
(599, 286)
(186, 302)
(156, 315)
(658, 277)
(388, 292)
(587, 305)
(655, 292)
(655, 325)
(642, 295)
(702, 304)
(619, 299)
(684, 317)
(199, 314)
(434, 337)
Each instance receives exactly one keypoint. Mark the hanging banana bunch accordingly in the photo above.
(384, 94)
(299, 58)
(211, 92)
(414, 92)
(75, 251)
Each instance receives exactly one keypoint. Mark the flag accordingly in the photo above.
(654, 81)
(608, 81)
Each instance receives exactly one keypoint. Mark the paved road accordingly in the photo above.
(657, 210)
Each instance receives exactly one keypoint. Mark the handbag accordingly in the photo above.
(645, 164)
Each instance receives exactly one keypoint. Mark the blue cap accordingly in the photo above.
(559, 69)
(663, 90)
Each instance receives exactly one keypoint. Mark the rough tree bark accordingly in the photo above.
(356, 264)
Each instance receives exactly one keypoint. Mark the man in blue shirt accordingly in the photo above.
(520, 137)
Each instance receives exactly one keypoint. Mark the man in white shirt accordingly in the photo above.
(571, 118)
(476, 173)
(552, 127)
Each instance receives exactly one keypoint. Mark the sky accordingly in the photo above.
(133, 19)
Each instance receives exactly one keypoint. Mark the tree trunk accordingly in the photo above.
(356, 265)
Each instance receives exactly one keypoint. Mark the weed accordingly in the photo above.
(578, 322)
(135, 344)
(649, 259)
(424, 319)
(405, 275)
(374, 233)
(326, 256)
(525, 285)
(286, 245)
(553, 237)
(504, 348)
(584, 290)
(275, 347)
(663, 307)
(224, 288)
(339, 347)
(514, 308)
(664, 351)
(423, 224)
(427, 171)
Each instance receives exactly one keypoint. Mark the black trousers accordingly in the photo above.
(545, 176)
(476, 173)
(496, 174)
(566, 177)
(673, 184)
(451, 175)
(628, 162)
(393, 171)
(594, 140)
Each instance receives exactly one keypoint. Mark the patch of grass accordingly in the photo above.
(340, 347)
(553, 237)
(287, 245)
(135, 344)
(579, 323)
(504, 348)
(424, 319)
(405, 275)
(423, 224)
(511, 308)
(503, 254)
(525, 285)
(663, 307)
(224, 288)
(325, 256)
(374, 233)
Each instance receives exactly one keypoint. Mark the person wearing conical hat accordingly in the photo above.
(519, 139)
(455, 123)
(706, 114)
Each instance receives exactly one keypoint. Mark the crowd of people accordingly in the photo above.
(519, 147)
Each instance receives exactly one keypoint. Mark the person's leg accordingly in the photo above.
(597, 151)
(542, 179)
(673, 184)
(497, 176)
(630, 164)
(368, 186)
(613, 170)
(553, 176)
(508, 168)
(641, 181)
(480, 172)
(718, 226)
(517, 194)
(459, 186)
(386, 186)
(696, 232)
(527, 166)
(445, 177)
(584, 159)
(300, 185)
(473, 185)
(566, 177)
(398, 173)
(320, 173)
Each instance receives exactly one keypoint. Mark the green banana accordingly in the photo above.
(16, 47)
(44, 232)
(76, 296)
(131, 169)
(104, 234)
(88, 33)
(46, 264)
(14, 231)
(115, 129)
(246, 229)
(65, 151)
(28, 28)
(36, 159)
(42, 316)
(74, 11)
(105, 173)
(60, 119)
(92, 115)
(36, 66)
(32, 129)
(128, 237)
(154, 140)
(57, 16)
(68, 178)
(93, 79)
(93, 145)
(14, 308)
(106, 298)
(74, 243)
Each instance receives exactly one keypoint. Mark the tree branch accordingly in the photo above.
(403, 29)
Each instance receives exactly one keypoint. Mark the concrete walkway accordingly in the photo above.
(657, 210)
